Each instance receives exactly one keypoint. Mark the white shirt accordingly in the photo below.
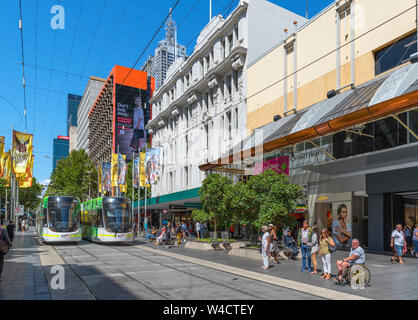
(264, 240)
(398, 238)
(305, 235)
(197, 226)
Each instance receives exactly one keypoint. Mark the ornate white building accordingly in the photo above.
(200, 111)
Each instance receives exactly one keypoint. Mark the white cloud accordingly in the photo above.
(45, 182)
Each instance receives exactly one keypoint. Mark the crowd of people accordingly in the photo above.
(178, 230)
(312, 245)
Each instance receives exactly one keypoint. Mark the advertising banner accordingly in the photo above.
(121, 170)
(25, 181)
(142, 176)
(132, 115)
(341, 223)
(152, 166)
(114, 169)
(22, 152)
(1, 156)
(106, 180)
(7, 167)
(279, 165)
(136, 172)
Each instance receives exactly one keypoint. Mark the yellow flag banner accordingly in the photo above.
(114, 169)
(7, 167)
(22, 152)
(100, 180)
(26, 180)
(1, 156)
(142, 176)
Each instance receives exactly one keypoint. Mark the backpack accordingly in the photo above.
(4, 247)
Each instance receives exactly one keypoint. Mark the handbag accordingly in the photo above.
(4, 247)
(331, 248)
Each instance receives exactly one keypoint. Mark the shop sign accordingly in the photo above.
(193, 205)
(308, 157)
(175, 206)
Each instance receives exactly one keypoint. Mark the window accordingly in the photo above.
(186, 144)
(186, 177)
(236, 119)
(228, 116)
(230, 42)
(205, 102)
(235, 73)
(207, 63)
(228, 85)
(395, 54)
(223, 49)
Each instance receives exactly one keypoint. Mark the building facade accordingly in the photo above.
(60, 149)
(94, 85)
(121, 108)
(165, 54)
(73, 102)
(336, 101)
(200, 111)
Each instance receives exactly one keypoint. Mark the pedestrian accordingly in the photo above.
(198, 229)
(232, 230)
(265, 246)
(11, 227)
(151, 235)
(398, 242)
(325, 241)
(314, 249)
(304, 239)
(290, 243)
(408, 235)
(274, 243)
(5, 245)
(415, 239)
(202, 230)
(168, 233)
(19, 223)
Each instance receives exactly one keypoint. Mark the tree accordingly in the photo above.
(74, 176)
(275, 198)
(211, 197)
(239, 202)
(200, 215)
(30, 197)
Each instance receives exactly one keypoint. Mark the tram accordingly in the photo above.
(58, 219)
(107, 219)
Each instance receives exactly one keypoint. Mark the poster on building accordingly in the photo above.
(152, 166)
(279, 165)
(106, 177)
(132, 114)
(22, 152)
(342, 223)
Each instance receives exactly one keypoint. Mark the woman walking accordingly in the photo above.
(265, 246)
(325, 241)
(314, 249)
(274, 243)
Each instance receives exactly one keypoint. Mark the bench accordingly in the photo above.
(225, 240)
(214, 240)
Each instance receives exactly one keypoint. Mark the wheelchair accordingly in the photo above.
(357, 274)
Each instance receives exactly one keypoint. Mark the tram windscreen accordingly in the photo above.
(63, 215)
(117, 215)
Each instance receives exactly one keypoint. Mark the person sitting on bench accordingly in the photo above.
(290, 243)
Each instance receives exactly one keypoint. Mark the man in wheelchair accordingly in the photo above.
(357, 256)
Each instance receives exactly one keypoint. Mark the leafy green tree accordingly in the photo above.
(29, 197)
(74, 176)
(275, 198)
(239, 202)
(200, 215)
(211, 197)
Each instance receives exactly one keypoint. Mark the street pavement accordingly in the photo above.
(145, 271)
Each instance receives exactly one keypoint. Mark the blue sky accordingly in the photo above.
(98, 34)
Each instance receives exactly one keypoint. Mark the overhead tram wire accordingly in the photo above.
(23, 65)
(149, 43)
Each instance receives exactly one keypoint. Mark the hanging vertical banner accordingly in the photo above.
(25, 181)
(106, 177)
(114, 169)
(7, 167)
(1, 156)
(136, 173)
(121, 169)
(152, 166)
(99, 178)
(142, 176)
(22, 151)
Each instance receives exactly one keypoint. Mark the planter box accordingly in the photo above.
(199, 245)
(237, 244)
(252, 253)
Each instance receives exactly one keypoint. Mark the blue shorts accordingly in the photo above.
(399, 250)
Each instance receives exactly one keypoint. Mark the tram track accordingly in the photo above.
(194, 275)
(118, 270)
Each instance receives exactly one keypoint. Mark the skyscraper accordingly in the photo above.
(72, 107)
(60, 149)
(165, 54)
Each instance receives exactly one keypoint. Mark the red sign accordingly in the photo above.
(63, 138)
(279, 165)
